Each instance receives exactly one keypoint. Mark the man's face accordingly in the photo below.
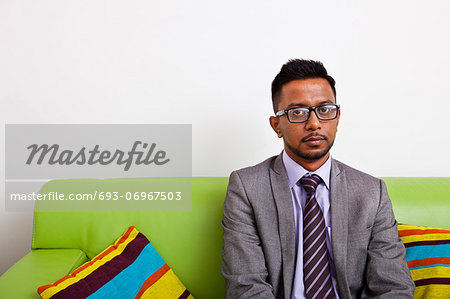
(306, 143)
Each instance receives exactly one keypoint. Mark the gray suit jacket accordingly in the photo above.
(259, 235)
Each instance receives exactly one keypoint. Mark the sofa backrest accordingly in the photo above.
(420, 201)
(189, 242)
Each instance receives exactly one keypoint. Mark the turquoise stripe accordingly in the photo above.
(427, 251)
(128, 282)
(429, 266)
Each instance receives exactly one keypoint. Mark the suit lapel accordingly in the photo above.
(339, 225)
(286, 228)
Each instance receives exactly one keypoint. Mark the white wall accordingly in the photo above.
(210, 63)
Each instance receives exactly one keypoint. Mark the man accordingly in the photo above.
(301, 224)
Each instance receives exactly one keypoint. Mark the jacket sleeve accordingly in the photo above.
(387, 273)
(243, 263)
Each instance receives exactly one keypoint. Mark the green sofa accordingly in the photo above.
(190, 242)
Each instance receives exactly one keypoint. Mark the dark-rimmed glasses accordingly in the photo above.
(301, 114)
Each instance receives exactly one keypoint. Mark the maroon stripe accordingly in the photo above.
(106, 272)
(323, 263)
(314, 223)
(431, 242)
(320, 246)
(184, 295)
(423, 282)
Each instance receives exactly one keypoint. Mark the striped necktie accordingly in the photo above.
(316, 269)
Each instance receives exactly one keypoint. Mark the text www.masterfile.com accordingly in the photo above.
(98, 195)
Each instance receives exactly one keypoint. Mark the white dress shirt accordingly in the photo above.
(294, 173)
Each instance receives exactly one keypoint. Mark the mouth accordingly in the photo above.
(314, 140)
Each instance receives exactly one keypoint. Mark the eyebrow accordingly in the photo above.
(295, 105)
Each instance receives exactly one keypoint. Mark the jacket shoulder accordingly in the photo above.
(355, 175)
(256, 171)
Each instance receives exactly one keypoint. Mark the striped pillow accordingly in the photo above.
(428, 257)
(130, 268)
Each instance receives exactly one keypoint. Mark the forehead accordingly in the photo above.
(307, 92)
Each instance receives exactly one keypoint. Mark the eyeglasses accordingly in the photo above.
(301, 114)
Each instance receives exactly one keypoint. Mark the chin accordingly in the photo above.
(312, 155)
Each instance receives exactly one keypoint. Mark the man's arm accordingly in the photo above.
(243, 264)
(387, 273)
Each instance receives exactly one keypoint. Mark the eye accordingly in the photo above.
(324, 109)
(299, 112)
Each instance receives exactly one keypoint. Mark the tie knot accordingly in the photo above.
(310, 183)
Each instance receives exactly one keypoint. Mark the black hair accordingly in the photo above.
(299, 69)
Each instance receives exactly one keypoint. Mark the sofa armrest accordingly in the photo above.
(39, 267)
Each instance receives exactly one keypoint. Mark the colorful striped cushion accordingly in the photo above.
(130, 268)
(428, 257)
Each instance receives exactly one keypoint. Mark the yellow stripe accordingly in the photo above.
(168, 286)
(405, 227)
(430, 237)
(432, 291)
(432, 272)
(408, 227)
(85, 272)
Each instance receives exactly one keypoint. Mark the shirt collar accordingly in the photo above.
(295, 171)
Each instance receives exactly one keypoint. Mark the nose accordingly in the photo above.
(313, 123)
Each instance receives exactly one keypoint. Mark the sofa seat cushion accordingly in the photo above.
(40, 266)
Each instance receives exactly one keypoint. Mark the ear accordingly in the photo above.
(275, 124)
(338, 117)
